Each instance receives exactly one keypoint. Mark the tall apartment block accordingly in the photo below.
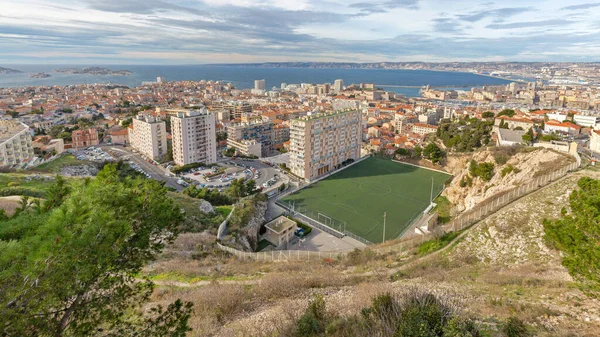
(194, 137)
(15, 143)
(257, 130)
(148, 135)
(338, 85)
(320, 143)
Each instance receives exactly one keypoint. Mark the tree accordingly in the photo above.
(487, 114)
(576, 233)
(528, 137)
(507, 112)
(484, 170)
(418, 151)
(250, 186)
(433, 153)
(75, 269)
(403, 152)
(126, 123)
(230, 152)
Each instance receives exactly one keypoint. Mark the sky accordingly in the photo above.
(249, 31)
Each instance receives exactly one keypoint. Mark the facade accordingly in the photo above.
(194, 137)
(15, 143)
(280, 231)
(245, 147)
(338, 85)
(43, 125)
(514, 122)
(257, 130)
(281, 134)
(587, 121)
(424, 129)
(558, 127)
(148, 135)
(85, 138)
(321, 143)
(595, 141)
(259, 84)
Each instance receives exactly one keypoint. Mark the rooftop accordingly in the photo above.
(9, 129)
(280, 224)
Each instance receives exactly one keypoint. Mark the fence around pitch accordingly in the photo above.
(283, 255)
(464, 220)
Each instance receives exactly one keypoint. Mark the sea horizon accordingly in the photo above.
(243, 76)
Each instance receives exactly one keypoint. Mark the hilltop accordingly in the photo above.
(9, 71)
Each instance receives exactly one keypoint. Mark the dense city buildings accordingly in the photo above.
(322, 142)
(255, 129)
(194, 137)
(148, 135)
(85, 138)
(15, 143)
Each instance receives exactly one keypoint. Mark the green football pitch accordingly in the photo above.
(356, 198)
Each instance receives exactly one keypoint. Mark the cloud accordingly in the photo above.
(528, 24)
(582, 6)
(497, 14)
(367, 8)
(180, 31)
(138, 6)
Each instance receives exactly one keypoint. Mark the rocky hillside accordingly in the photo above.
(512, 168)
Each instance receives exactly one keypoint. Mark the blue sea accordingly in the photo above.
(243, 77)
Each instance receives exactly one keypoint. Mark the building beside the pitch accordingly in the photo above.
(321, 143)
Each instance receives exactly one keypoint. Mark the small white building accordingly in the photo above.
(280, 231)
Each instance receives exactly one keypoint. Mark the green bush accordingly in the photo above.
(313, 321)
(514, 327)
(485, 170)
(8, 191)
(436, 244)
(507, 170)
(184, 168)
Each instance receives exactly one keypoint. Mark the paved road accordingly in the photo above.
(154, 171)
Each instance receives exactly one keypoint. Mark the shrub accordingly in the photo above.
(507, 170)
(312, 322)
(514, 327)
(485, 170)
(184, 168)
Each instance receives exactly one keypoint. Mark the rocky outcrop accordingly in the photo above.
(244, 225)
(79, 171)
(206, 207)
(526, 164)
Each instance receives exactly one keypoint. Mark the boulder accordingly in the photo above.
(206, 207)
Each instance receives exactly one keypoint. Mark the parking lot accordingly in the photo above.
(91, 154)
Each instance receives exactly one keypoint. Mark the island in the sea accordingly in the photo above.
(39, 75)
(92, 71)
(9, 71)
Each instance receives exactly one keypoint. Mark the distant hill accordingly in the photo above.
(9, 71)
(92, 71)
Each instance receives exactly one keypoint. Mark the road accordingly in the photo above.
(155, 172)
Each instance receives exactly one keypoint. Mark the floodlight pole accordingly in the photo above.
(384, 217)
(431, 195)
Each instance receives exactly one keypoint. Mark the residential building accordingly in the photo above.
(280, 231)
(424, 129)
(148, 135)
(320, 143)
(43, 125)
(194, 137)
(47, 144)
(281, 134)
(254, 129)
(587, 121)
(259, 84)
(15, 143)
(558, 127)
(595, 142)
(507, 137)
(118, 135)
(514, 122)
(85, 138)
(338, 85)
(246, 147)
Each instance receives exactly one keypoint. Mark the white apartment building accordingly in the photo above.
(338, 85)
(148, 135)
(320, 143)
(15, 143)
(194, 137)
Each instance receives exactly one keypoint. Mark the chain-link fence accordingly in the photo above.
(462, 221)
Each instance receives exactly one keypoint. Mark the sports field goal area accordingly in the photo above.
(356, 198)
